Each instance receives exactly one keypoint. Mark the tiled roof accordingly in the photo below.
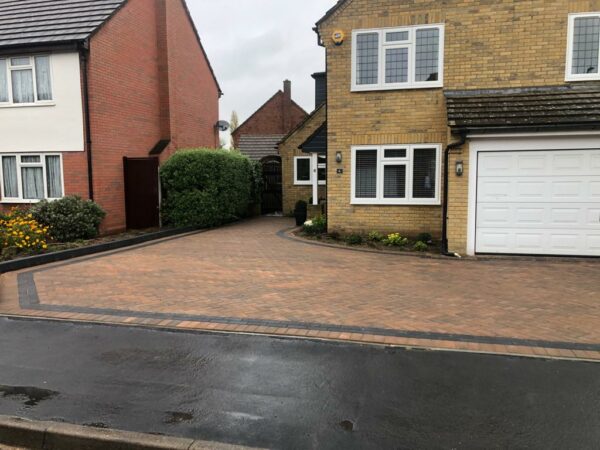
(569, 106)
(32, 22)
(257, 147)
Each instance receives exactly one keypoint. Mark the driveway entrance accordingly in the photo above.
(251, 277)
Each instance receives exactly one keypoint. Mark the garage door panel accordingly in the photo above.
(541, 202)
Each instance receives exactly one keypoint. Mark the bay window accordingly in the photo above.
(25, 80)
(398, 58)
(396, 175)
(30, 178)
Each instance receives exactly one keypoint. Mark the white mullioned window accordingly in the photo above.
(25, 80)
(304, 170)
(583, 47)
(398, 58)
(28, 178)
(396, 174)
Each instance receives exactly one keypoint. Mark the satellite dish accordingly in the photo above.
(223, 125)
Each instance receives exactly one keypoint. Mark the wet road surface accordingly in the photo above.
(282, 393)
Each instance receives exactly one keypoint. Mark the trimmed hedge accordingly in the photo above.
(207, 188)
(69, 219)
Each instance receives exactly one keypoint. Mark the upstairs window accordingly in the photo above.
(398, 58)
(25, 80)
(396, 175)
(583, 55)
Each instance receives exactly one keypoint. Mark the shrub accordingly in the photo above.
(375, 236)
(70, 218)
(21, 232)
(421, 246)
(206, 188)
(395, 240)
(354, 239)
(425, 238)
(318, 225)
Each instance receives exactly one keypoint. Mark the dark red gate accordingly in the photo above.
(272, 196)
(141, 193)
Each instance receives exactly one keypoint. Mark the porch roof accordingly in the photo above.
(316, 142)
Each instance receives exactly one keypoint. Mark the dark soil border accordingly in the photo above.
(64, 255)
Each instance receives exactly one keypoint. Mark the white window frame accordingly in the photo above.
(569, 75)
(412, 57)
(313, 171)
(20, 165)
(31, 65)
(408, 161)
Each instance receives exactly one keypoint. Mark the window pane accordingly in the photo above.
(424, 173)
(24, 61)
(42, 77)
(303, 169)
(9, 176)
(366, 174)
(427, 55)
(586, 42)
(22, 86)
(3, 81)
(396, 36)
(31, 159)
(394, 182)
(396, 65)
(395, 153)
(54, 177)
(367, 58)
(33, 183)
(322, 173)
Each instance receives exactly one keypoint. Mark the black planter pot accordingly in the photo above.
(300, 215)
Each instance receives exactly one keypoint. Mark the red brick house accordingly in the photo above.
(94, 95)
(259, 135)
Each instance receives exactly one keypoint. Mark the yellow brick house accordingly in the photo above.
(474, 120)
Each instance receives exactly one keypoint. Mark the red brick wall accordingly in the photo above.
(125, 96)
(270, 120)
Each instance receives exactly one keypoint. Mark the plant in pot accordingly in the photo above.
(300, 212)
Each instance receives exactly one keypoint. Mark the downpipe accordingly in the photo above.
(449, 148)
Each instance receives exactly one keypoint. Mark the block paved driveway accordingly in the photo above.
(253, 277)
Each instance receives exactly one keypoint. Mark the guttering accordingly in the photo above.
(453, 145)
(83, 57)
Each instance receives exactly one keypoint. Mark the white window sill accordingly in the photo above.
(372, 202)
(26, 105)
(592, 77)
(309, 183)
(17, 201)
(396, 87)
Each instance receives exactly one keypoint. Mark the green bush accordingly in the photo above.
(318, 225)
(70, 218)
(375, 236)
(395, 240)
(207, 188)
(354, 239)
(421, 246)
(424, 237)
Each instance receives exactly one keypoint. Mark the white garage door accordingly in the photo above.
(539, 202)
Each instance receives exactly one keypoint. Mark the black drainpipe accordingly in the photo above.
(83, 55)
(453, 145)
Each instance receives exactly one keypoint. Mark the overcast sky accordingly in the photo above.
(254, 45)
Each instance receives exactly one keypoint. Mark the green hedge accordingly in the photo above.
(206, 188)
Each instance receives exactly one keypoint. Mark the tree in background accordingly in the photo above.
(234, 123)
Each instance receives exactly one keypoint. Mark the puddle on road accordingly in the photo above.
(174, 417)
(31, 396)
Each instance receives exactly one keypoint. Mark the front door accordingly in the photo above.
(141, 193)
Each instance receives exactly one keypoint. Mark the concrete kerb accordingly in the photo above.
(38, 435)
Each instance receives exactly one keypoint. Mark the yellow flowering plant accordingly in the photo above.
(19, 230)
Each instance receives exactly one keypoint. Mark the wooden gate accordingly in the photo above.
(141, 193)
(272, 197)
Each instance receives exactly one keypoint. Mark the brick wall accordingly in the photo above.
(125, 95)
(488, 44)
(291, 192)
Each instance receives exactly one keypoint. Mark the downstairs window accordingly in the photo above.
(30, 178)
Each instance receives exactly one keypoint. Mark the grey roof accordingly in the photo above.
(35, 22)
(568, 106)
(257, 147)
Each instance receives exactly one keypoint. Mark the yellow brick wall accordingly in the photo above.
(287, 150)
(488, 44)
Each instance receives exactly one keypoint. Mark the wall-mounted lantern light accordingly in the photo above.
(460, 168)
(338, 157)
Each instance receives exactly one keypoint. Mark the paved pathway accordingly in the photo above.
(248, 278)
